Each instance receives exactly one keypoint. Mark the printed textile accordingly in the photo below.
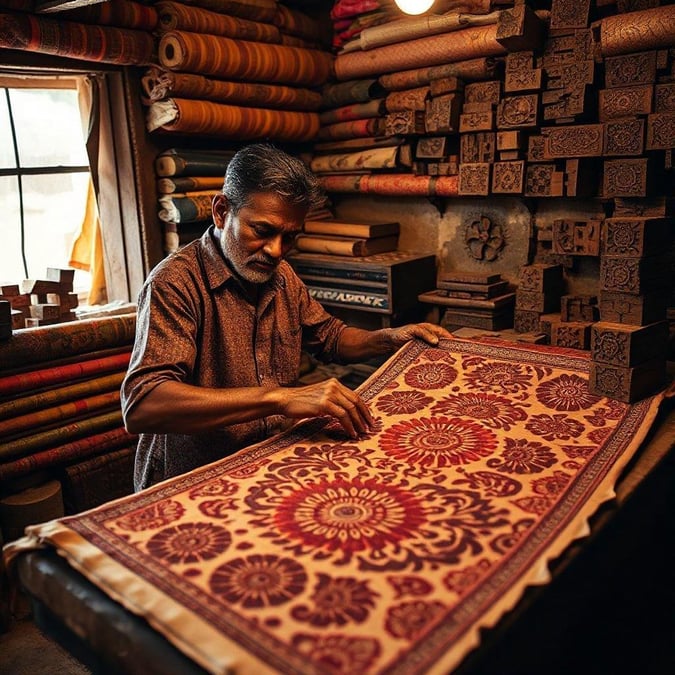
(311, 552)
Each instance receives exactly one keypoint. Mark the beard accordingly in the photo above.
(240, 261)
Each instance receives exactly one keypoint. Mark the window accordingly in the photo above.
(44, 176)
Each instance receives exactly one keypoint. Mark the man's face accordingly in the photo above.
(260, 235)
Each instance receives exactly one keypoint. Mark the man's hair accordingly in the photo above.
(261, 167)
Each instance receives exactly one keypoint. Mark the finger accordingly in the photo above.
(355, 413)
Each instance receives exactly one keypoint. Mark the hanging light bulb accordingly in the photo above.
(414, 6)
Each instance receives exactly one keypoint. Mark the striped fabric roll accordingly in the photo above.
(39, 400)
(355, 111)
(409, 99)
(411, 28)
(21, 447)
(68, 452)
(121, 46)
(123, 13)
(256, 10)
(428, 51)
(241, 59)
(186, 208)
(37, 345)
(402, 184)
(58, 415)
(298, 24)
(350, 129)
(337, 94)
(167, 186)
(177, 16)
(471, 70)
(48, 377)
(229, 121)
(159, 84)
(376, 158)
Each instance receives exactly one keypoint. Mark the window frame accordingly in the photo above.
(124, 177)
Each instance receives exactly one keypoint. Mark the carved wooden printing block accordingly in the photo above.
(624, 345)
(626, 384)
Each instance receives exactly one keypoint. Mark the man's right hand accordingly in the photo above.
(331, 398)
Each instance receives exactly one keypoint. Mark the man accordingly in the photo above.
(221, 325)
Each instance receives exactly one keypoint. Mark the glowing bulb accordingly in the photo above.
(414, 6)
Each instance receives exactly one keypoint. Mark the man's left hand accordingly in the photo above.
(429, 332)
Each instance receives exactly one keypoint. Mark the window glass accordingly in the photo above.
(54, 207)
(11, 265)
(49, 138)
(7, 158)
(48, 127)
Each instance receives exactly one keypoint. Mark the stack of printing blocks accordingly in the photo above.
(629, 344)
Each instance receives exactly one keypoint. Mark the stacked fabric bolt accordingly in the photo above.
(112, 32)
(59, 400)
(187, 181)
(217, 61)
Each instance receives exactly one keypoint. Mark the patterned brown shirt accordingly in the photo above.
(195, 326)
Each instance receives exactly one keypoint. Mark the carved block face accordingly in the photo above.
(624, 137)
(630, 69)
(661, 131)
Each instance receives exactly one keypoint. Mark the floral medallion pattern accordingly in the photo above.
(315, 552)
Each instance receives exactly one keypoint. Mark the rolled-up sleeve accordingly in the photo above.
(165, 345)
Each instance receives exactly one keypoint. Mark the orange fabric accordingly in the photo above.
(311, 552)
(87, 251)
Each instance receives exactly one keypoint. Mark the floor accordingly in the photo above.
(24, 650)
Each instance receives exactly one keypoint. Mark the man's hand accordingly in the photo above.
(329, 397)
(429, 332)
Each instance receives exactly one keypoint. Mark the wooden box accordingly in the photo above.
(636, 237)
(624, 345)
(626, 384)
(571, 334)
(387, 283)
(539, 277)
(637, 310)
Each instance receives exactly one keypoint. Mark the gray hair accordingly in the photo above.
(261, 167)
